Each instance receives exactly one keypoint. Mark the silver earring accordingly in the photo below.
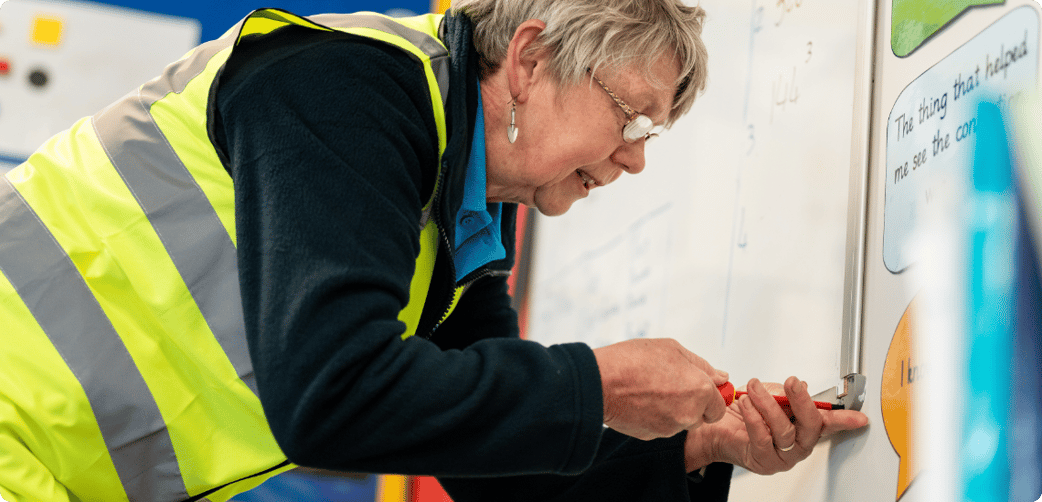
(512, 129)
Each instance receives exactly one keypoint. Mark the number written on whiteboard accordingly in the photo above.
(785, 7)
(784, 91)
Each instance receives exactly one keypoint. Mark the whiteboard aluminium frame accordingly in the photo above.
(850, 390)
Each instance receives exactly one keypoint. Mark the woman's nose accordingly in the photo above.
(631, 156)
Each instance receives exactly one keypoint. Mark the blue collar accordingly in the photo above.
(479, 240)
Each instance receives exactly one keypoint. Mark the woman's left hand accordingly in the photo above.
(759, 436)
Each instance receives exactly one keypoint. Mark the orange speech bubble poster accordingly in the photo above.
(900, 374)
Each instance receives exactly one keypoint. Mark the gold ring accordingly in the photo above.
(793, 445)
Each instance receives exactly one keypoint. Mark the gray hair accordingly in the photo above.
(596, 34)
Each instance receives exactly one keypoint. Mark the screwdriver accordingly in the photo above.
(730, 394)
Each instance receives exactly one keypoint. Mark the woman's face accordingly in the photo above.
(570, 139)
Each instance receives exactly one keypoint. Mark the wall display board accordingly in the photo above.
(912, 22)
(880, 462)
(924, 136)
(738, 239)
(932, 124)
(63, 60)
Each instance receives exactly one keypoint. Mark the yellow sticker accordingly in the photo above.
(901, 372)
(47, 30)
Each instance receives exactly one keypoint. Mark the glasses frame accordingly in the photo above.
(636, 122)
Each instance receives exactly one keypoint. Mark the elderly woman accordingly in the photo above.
(291, 249)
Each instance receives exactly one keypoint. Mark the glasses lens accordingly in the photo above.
(638, 128)
(655, 131)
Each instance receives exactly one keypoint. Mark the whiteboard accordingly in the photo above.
(742, 238)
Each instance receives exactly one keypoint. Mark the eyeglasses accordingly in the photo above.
(638, 125)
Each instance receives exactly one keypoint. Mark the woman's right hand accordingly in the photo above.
(656, 388)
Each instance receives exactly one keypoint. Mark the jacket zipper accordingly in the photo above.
(485, 271)
(444, 239)
(482, 273)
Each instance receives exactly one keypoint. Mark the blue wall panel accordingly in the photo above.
(218, 16)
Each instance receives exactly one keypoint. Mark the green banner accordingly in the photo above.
(914, 21)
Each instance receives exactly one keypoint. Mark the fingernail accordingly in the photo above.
(757, 386)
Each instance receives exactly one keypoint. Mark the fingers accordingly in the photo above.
(716, 408)
(781, 429)
(810, 424)
(813, 424)
(808, 421)
(842, 420)
(655, 388)
(777, 442)
(761, 443)
(719, 377)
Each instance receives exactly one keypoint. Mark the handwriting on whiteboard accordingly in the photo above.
(784, 7)
(784, 91)
(618, 302)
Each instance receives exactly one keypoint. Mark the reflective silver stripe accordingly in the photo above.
(176, 206)
(423, 41)
(66, 310)
(427, 44)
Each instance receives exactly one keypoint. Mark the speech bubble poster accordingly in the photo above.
(931, 130)
(900, 375)
(914, 21)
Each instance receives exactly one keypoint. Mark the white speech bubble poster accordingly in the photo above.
(931, 129)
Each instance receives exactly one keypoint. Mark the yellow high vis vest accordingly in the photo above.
(124, 369)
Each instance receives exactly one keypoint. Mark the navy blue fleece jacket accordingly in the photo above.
(331, 143)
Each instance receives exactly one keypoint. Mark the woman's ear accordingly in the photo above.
(526, 62)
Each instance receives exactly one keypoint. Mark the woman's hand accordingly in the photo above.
(656, 388)
(757, 434)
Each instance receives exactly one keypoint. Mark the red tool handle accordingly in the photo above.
(729, 395)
